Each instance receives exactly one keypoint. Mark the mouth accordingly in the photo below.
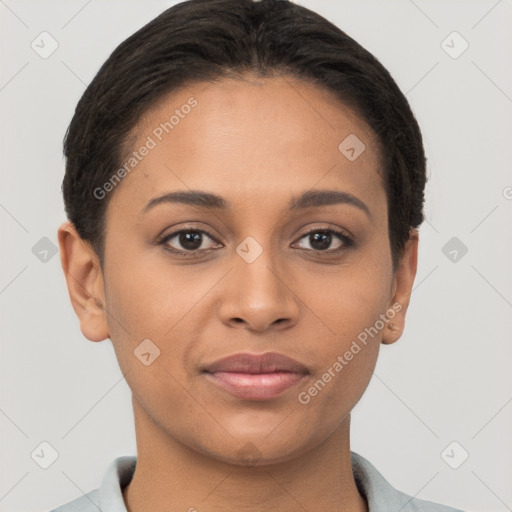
(256, 376)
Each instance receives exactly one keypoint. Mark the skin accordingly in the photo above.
(256, 142)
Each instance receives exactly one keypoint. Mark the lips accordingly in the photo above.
(269, 362)
(256, 376)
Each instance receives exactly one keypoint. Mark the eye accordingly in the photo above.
(191, 242)
(321, 240)
(187, 241)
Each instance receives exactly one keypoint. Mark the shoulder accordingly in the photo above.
(89, 502)
(382, 496)
(109, 496)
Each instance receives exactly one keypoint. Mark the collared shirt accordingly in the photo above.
(380, 495)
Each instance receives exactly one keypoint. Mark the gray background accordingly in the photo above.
(448, 378)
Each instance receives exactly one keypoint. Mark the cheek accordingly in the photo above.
(162, 303)
(152, 297)
(348, 305)
(148, 304)
(349, 298)
(344, 366)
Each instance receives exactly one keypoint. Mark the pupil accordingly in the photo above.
(320, 241)
(190, 240)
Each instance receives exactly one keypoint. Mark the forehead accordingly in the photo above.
(250, 138)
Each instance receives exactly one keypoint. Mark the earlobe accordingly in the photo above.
(85, 282)
(402, 289)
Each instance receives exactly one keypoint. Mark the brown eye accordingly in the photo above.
(187, 240)
(323, 240)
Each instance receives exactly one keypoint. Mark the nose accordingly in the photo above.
(256, 296)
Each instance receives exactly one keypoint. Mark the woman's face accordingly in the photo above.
(265, 277)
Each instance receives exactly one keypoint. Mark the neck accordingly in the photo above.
(171, 476)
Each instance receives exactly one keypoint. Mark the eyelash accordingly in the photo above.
(347, 241)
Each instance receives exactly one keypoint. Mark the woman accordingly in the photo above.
(244, 183)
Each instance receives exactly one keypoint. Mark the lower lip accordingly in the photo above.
(255, 386)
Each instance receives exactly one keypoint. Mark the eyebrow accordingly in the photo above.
(309, 199)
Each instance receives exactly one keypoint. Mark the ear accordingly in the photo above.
(85, 282)
(402, 289)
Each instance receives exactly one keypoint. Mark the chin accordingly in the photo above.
(254, 450)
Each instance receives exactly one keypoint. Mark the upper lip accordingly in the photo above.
(268, 362)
